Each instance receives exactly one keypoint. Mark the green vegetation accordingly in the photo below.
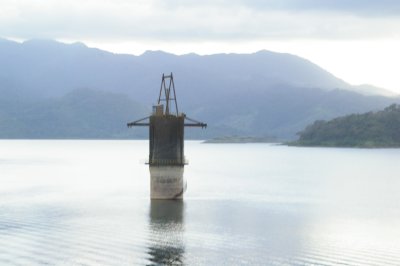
(369, 130)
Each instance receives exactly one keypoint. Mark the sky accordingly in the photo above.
(356, 40)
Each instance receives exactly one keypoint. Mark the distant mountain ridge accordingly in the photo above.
(83, 113)
(51, 68)
(259, 94)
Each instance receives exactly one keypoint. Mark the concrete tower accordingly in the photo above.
(166, 139)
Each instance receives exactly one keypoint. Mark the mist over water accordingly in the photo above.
(87, 203)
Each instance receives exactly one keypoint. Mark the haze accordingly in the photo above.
(355, 40)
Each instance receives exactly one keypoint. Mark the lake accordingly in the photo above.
(78, 202)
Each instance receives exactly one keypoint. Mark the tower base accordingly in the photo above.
(167, 182)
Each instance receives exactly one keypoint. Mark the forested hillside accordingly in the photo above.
(372, 129)
(55, 90)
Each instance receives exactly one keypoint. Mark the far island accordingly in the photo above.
(369, 130)
(242, 139)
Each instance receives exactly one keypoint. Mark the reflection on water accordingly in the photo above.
(166, 232)
(87, 203)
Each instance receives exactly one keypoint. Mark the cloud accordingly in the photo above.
(355, 7)
(189, 20)
(374, 8)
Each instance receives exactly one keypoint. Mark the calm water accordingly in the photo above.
(87, 203)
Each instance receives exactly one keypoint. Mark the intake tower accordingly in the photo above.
(166, 143)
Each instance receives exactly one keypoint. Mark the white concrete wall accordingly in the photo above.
(167, 182)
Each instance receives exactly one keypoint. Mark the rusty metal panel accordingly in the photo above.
(166, 140)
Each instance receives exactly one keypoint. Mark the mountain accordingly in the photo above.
(367, 89)
(372, 129)
(82, 113)
(48, 68)
(260, 94)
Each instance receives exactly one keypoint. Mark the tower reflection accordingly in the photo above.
(166, 232)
